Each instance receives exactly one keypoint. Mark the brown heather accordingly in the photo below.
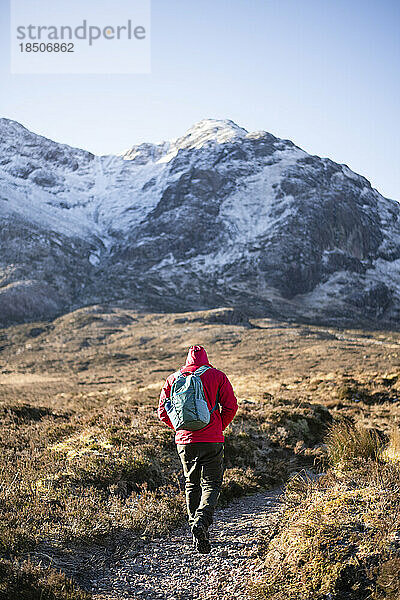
(338, 536)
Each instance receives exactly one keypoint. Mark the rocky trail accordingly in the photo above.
(169, 568)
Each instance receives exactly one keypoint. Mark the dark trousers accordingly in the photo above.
(203, 468)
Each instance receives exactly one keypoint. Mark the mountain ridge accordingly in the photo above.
(216, 217)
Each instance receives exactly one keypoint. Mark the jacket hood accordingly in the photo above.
(197, 356)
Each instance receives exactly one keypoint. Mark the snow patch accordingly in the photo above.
(94, 259)
(249, 210)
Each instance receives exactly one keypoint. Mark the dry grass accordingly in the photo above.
(25, 581)
(346, 443)
(392, 451)
(339, 536)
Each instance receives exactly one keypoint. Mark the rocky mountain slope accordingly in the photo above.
(217, 217)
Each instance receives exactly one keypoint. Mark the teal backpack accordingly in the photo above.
(187, 406)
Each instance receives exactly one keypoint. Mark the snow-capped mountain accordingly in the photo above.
(217, 217)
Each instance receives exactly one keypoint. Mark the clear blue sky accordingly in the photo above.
(323, 73)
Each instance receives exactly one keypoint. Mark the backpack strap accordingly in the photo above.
(201, 370)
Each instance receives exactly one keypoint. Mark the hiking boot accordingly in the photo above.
(194, 541)
(201, 538)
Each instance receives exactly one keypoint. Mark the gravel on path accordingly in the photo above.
(169, 568)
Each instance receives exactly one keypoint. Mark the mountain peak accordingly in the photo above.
(209, 130)
(200, 134)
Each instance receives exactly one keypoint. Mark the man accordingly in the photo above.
(202, 451)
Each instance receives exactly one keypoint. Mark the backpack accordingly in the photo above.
(187, 406)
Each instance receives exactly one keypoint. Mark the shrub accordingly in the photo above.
(25, 581)
(238, 482)
(392, 450)
(150, 513)
(95, 459)
(346, 442)
(335, 538)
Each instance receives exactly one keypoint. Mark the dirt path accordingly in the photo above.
(27, 379)
(170, 569)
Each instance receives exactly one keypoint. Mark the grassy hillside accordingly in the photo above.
(87, 468)
(339, 535)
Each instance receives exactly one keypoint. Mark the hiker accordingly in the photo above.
(200, 446)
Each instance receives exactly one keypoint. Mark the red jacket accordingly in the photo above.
(212, 380)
